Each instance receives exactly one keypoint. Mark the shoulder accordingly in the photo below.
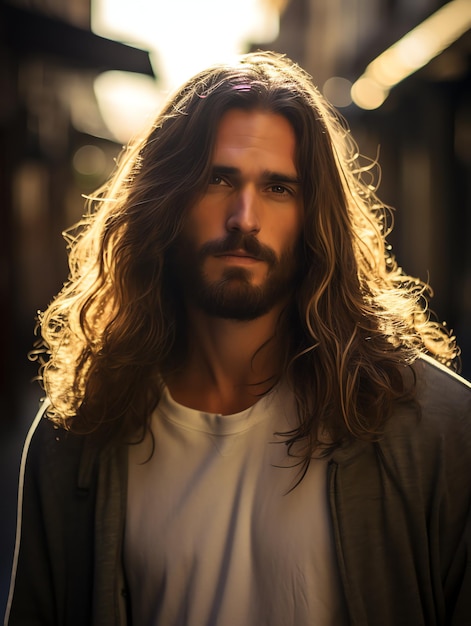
(442, 400)
(46, 440)
(55, 456)
(432, 431)
(440, 389)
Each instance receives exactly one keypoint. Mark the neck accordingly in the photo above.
(229, 364)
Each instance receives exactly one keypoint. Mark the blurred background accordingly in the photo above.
(78, 78)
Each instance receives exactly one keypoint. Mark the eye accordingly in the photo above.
(217, 179)
(280, 189)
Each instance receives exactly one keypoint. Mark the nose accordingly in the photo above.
(243, 214)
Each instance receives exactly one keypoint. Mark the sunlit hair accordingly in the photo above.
(356, 321)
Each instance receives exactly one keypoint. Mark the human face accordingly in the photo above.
(237, 256)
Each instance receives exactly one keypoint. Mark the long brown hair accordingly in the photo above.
(357, 319)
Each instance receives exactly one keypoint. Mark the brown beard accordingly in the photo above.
(233, 296)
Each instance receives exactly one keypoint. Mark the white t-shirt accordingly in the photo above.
(213, 535)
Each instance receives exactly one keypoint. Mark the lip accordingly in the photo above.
(238, 256)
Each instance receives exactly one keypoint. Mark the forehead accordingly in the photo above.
(251, 135)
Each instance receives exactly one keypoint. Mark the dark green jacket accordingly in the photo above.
(400, 511)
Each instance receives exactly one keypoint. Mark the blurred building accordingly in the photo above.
(54, 146)
(422, 130)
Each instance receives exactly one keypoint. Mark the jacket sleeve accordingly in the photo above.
(30, 598)
(458, 580)
(406, 500)
(442, 460)
(52, 574)
(455, 507)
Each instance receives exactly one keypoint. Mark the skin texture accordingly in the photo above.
(259, 147)
(239, 237)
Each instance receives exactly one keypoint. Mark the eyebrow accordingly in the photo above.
(267, 175)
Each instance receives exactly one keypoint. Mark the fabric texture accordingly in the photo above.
(214, 524)
(400, 511)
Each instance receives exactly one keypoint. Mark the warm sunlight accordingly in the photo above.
(183, 36)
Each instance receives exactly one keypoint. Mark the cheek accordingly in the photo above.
(203, 224)
(289, 231)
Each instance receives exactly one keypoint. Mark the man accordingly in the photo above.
(249, 419)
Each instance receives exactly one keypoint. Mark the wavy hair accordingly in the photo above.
(357, 320)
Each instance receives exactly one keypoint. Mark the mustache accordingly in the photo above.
(238, 241)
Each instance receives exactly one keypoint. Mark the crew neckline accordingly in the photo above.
(214, 423)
